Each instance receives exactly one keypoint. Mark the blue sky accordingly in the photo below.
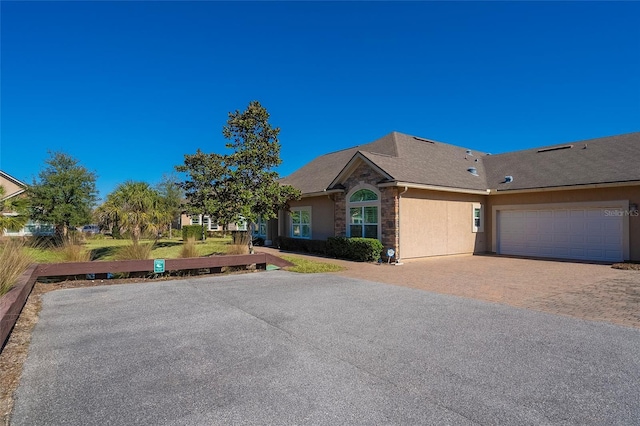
(128, 88)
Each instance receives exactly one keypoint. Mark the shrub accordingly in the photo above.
(13, 262)
(189, 248)
(238, 249)
(359, 249)
(73, 251)
(134, 252)
(302, 245)
(240, 237)
(192, 231)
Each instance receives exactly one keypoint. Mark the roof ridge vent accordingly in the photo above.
(423, 139)
(473, 171)
(555, 148)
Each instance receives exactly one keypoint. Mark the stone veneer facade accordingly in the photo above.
(389, 211)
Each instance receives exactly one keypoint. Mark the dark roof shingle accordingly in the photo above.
(410, 159)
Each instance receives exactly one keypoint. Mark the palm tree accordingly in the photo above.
(14, 212)
(135, 207)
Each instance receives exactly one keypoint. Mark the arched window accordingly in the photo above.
(363, 211)
(363, 195)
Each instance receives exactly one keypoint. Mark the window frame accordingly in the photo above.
(259, 224)
(477, 221)
(361, 205)
(291, 223)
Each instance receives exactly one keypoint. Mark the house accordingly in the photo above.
(209, 225)
(15, 188)
(422, 198)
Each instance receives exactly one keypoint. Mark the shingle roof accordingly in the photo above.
(410, 159)
(604, 160)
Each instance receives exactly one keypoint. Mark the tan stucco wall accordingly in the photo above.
(10, 187)
(436, 223)
(630, 193)
(322, 217)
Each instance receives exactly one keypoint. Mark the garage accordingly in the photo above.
(564, 233)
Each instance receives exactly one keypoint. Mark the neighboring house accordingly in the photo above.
(210, 225)
(15, 188)
(426, 198)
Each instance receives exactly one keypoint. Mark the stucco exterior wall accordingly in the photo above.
(10, 187)
(322, 216)
(434, 223)
(631, 193)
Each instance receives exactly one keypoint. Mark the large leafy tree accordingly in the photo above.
(134, 207)
(64, 194)
(256, 154)
(14, 212)
(241, 185)
(209, 189)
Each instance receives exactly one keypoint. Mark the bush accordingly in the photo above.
(73, 251)
(134, 252)
(13, 262)
(302, 245)
(238, 249)
(240, 237)
(189, 248)
(192, 231)
(359, 249)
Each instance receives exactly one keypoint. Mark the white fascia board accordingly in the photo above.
(564, 188)
(321, 193)
(436, 188)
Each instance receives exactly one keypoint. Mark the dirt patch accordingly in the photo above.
(627, 266)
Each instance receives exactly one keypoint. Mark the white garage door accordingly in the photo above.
(587, 234)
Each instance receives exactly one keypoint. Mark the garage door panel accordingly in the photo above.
(587, 234)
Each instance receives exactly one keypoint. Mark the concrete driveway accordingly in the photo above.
(283, 348)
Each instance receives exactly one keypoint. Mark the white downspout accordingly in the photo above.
(406, 188)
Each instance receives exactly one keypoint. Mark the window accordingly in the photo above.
(478, 218)
(195, 220)
(260, 228)
(364, 212)
(301, 222)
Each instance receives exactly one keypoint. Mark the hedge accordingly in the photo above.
(191, 231)
(358, 249)
(302, 245)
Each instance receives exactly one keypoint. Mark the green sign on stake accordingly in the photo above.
(158, 266)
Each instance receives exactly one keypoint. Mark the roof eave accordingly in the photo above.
(565, 187)
(12, 179)
(348, 169)
(434, 187)
(321, 193)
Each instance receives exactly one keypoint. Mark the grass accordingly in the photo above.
(107, 249)
(138, 251)
(189, 248)
(14, 260)
(306, 266)
(74, 251)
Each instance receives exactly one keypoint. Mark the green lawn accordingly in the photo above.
(106, 248)
(307, 266)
